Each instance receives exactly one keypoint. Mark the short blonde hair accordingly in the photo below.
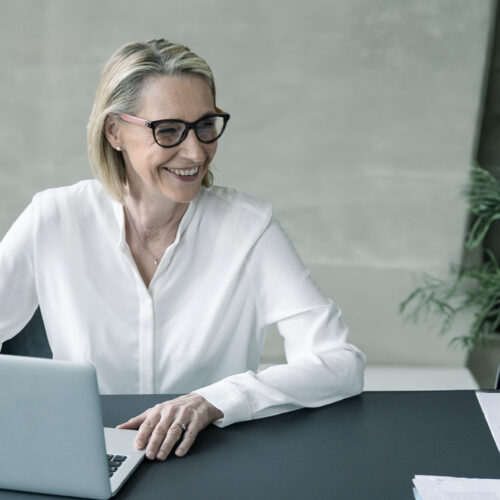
(119, 91)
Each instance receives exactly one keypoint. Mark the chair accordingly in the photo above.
(30, 341)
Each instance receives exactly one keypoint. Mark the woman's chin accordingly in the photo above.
(181, 189)
(185, 194)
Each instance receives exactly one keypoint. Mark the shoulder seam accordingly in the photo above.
(242, 200)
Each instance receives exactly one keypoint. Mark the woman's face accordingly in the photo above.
(150, 167)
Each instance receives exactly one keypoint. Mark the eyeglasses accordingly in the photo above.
(170, 133)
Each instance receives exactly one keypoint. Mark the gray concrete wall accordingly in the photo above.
(356, 118)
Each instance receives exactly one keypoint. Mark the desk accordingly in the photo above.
(368, 446)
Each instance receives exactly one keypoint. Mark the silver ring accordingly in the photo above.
(182, 426)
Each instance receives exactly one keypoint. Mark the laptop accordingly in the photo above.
(52, 438)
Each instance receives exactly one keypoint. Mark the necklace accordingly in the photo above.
(156, 259)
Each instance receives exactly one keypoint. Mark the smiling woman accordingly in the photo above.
(167, 281)
(151, 169)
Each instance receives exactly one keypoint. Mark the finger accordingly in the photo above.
(157, 438)
(173, 435)
(146, 429)
(132, 423)
(188, 439)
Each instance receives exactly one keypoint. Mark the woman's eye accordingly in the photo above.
(167, 130)
(208, 123)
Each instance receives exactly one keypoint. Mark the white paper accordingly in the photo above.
(490, 404)
(456, 488)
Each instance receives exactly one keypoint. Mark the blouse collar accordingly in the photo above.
(120, 219)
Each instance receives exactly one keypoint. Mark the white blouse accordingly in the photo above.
(200, 325)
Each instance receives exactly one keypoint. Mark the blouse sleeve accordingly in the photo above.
(18, 297)
(321, 366)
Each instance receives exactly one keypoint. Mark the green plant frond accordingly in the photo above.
(456, 288)
(487, 311)
(482, 183)
(492, 259)
(486, 292)
(495, 322)
(427, 300)
(484, 201)
(480, 228)
(413, 295)
(443, 307)
(475, 289)
(446, 324)
(463, 342)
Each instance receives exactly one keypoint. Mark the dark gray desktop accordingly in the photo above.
(369, 446)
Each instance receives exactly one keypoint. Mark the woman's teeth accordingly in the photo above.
(184, 171)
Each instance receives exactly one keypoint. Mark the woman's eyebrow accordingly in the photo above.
(208, 113)
(204, 115)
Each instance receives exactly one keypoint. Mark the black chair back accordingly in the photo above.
(31, 341)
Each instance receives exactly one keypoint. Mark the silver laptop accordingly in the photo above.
(52, 438)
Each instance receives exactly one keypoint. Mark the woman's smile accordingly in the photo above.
(184, 174)
(176, 172)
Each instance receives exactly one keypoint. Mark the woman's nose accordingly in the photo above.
(192, 148)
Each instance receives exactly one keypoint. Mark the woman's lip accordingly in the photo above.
(185, 178)
(181, 168)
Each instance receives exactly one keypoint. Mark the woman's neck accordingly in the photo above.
(154, 216)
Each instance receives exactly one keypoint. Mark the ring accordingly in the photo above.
(182, 426)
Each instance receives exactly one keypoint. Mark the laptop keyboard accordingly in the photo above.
(114, 462)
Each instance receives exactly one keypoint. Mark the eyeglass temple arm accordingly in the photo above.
(134, 119)
(220, 110)
(140, 121)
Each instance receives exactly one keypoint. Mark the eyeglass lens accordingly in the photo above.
(171, 132)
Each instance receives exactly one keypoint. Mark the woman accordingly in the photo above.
(164, 282)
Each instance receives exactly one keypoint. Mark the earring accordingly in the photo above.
(118, 148)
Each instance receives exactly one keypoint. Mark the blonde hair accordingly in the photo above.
(119, 91)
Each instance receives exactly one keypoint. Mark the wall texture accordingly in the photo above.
(356, 118)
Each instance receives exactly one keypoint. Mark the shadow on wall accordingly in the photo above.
(31, 341)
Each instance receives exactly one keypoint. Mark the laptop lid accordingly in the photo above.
(51, 431)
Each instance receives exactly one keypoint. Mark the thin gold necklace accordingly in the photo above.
(156, 259)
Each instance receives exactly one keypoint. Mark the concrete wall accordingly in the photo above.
(357, 118)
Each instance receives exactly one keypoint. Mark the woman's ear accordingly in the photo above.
(112, 132)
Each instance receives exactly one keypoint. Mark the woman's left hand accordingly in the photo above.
(163, 424)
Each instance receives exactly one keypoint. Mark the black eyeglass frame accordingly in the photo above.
(188, 126)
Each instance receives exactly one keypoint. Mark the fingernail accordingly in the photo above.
(139, 444)
(150, 455)
(160, 456)
(179, 452)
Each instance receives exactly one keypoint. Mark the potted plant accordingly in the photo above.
(472, 288)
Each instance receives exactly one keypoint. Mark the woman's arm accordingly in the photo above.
(18, 298)
(322, 367)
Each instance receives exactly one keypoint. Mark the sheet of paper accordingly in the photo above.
(416, 495)
(490, 404)
(456, 488)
